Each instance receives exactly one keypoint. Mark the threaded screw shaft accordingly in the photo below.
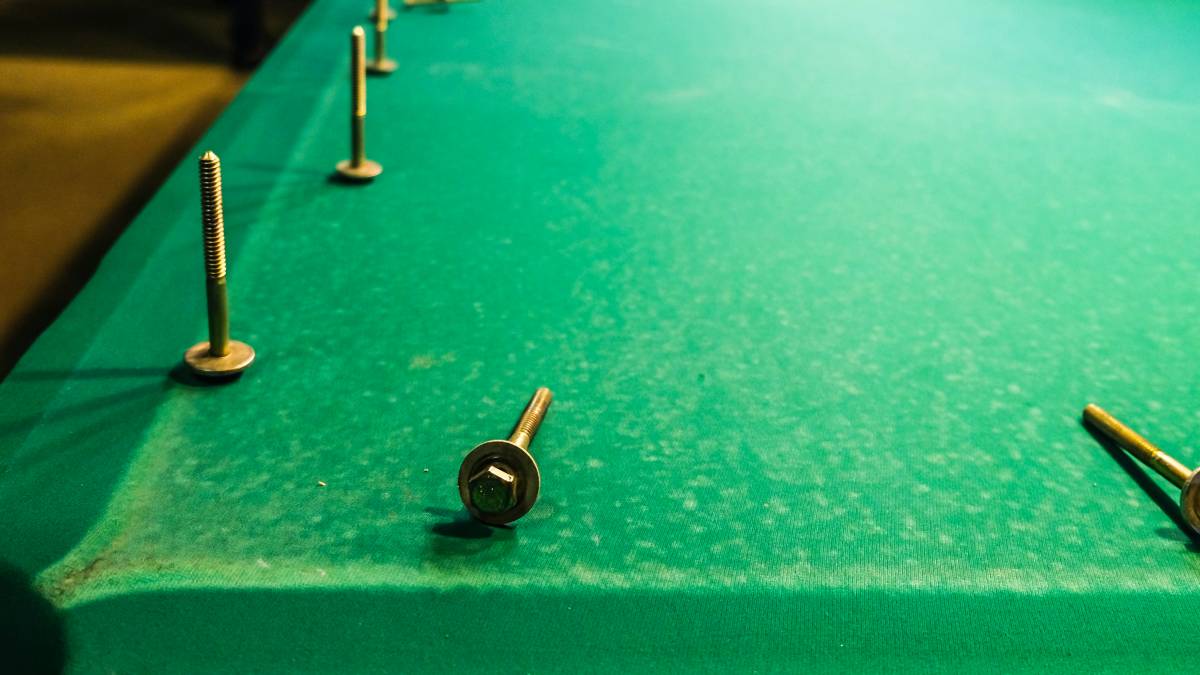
(358, 103)
(212, 219)
(1146, 452)
(358, 71)
(358, 169)
(381, 15)
(1187, 480)
(381, 64)
(387, 10)
(531, 419)
(381, 43)
(212, 215)
(221, 356)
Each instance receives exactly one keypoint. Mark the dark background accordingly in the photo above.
(98, 100)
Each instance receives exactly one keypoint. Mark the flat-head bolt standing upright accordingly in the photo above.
(1187, 480)
(220, 356)
(358, 167)
(498, 481)
(381, 64)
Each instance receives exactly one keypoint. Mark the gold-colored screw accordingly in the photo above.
(220, 356)
(388, 12)
(381, 64)
(499, 481)
(1187, 480)
(358, 168)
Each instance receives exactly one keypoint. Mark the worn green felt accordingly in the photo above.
(820, 288)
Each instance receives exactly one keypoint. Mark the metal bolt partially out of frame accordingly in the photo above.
(498, 481)
(358, 168)
(389, 12)
(1187, 480)
(381, 64)
(220, 356)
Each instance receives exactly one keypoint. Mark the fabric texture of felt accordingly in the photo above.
(820, 288)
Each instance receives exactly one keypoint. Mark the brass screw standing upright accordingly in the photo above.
(499, 481)
(358, 168)
(1187, 480)
(220, 356)
(381, 64)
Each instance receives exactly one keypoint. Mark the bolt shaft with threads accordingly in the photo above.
(381, 26)
(358, 103)
(385, 7)
(1133, 443)
(212, 218)
(531, 419)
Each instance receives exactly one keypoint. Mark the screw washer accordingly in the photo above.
(510, 457)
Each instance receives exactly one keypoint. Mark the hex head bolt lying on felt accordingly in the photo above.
(1187, 480)
(498, 481)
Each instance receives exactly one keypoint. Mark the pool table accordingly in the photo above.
(821, 289)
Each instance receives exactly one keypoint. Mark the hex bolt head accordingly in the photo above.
(498, 481)
(493, 489)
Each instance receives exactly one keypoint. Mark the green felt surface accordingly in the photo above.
(820, 288)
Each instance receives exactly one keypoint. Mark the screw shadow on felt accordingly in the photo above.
(1142, 478)
(461, 525)
(459, 542)
(183, 376)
